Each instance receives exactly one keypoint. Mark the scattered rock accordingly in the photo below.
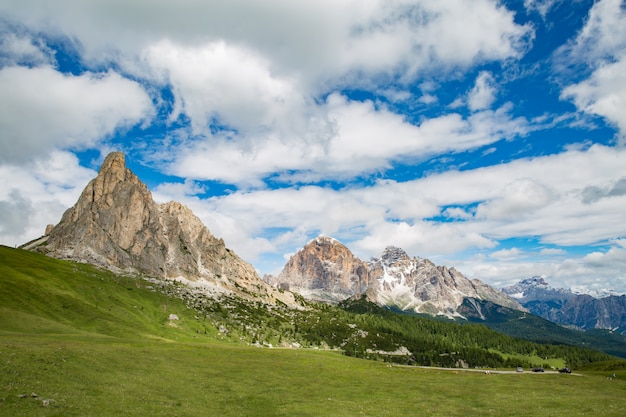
(172, 317)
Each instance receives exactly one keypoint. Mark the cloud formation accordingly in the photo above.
(445, 127)
(42, 110)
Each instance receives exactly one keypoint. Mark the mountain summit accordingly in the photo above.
(419, 285)
(564, 307)
(326, 270)
(117, 225)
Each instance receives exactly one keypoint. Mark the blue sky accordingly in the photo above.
(485, 135)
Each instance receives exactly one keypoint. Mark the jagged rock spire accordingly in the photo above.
(117, 225)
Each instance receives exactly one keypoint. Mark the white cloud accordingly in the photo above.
(230, 84)
(596, 271)
(484, 92)
(601, 44)
(348, 138)
(42, 110)
(37, 193)
(21, 49)
(603, 35)
(552, 251)
(507, 254)
(518, 199)
(603, 94)
(540, 197)
(317, 41)
(540, 6)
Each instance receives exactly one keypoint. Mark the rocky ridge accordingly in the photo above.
(563, 306)
(326, 270)
(115, 224)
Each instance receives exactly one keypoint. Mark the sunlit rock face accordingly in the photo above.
(117, 225)
(326, 270)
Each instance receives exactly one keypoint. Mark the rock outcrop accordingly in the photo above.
(324, 270)
(117, 225)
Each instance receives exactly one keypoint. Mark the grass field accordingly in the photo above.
(76, 341)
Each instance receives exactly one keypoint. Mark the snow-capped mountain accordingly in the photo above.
(419, 285)
(566, 307)
(536, 288)
(326, 270)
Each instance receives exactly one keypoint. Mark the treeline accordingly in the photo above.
(365, 330)
(440, 343)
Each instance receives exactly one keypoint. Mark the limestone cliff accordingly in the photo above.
(324, 270)
(419, 285)
(117, 225)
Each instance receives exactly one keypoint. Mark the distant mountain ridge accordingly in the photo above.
(326, 270)
(116, 224)
(565, 307)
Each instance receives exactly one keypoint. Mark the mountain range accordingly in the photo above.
(326, 270)
(563, 306)
(115, 224)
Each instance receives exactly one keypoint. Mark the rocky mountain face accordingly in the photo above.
(562, 306)
(326, 270)
(418, 284)
(116, 224)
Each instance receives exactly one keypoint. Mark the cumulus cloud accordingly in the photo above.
(484, 92)
(604, 93)
(346, 139)
(520, 198)
(226, 85)
(319, 41)
(21, 49)
(603, 35)
(35, 194)
(42, 110)
(538, 197)
(601, 44)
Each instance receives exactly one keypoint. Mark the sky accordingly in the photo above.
(484, 135)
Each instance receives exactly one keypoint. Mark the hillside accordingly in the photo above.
(76, 340)
(61, 297)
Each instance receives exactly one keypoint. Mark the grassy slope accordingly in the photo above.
(99, 345)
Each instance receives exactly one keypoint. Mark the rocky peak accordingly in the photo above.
(392, 255)
(324, 270)
(117, 225)
(534, 282)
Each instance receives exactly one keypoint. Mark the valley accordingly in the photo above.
(76, 340)
(128, 307)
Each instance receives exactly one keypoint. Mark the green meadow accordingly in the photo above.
(78, 341)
